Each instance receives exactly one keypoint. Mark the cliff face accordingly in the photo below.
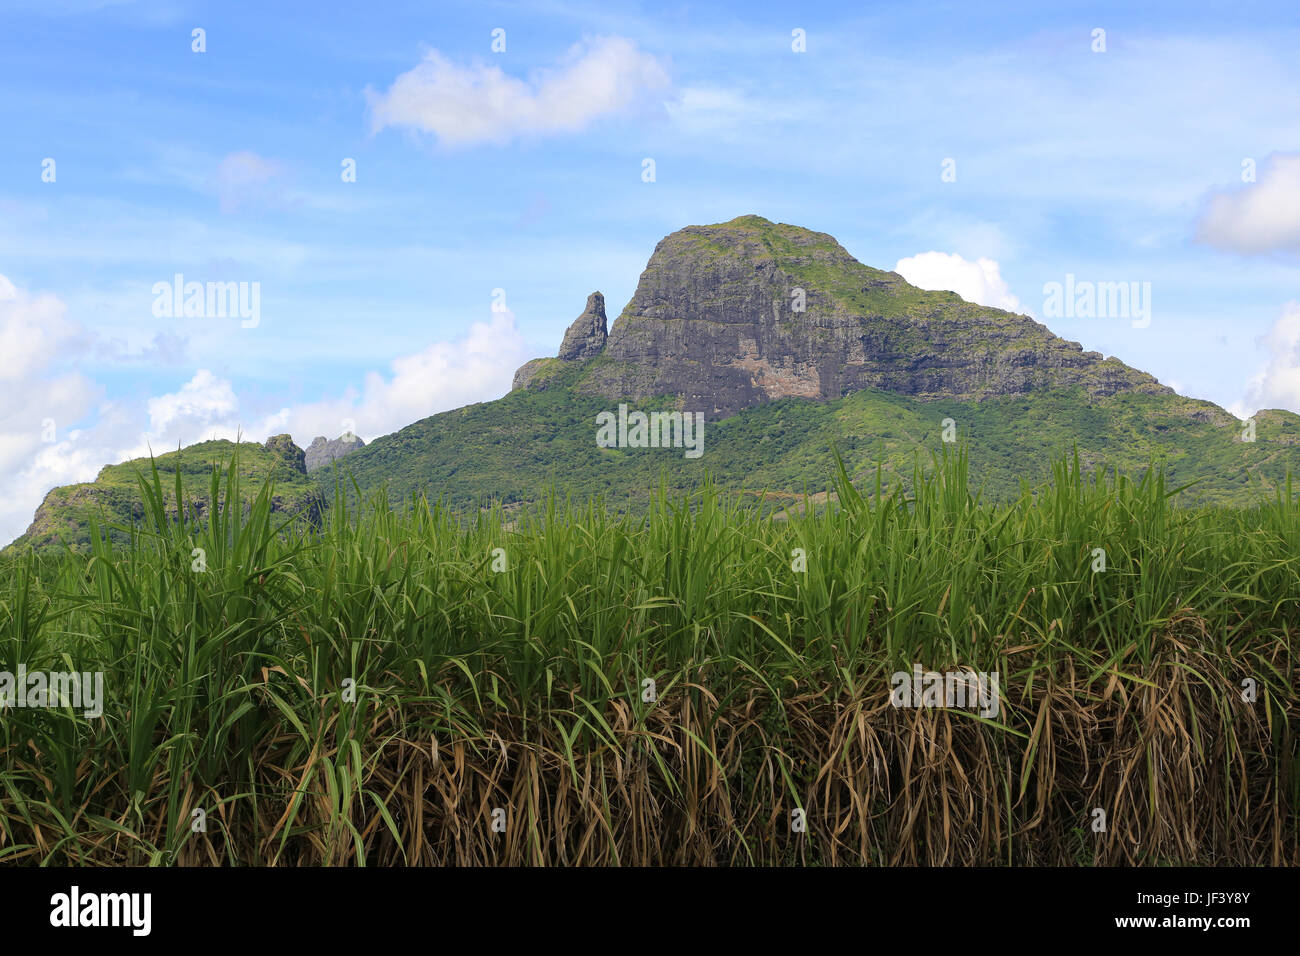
(323, 451)
(730, 316)
(585, 338)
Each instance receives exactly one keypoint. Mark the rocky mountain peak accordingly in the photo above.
(732, 315)
(585, 337)
(323, 451)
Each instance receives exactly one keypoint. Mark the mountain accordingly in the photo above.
(785, 347)
(789, 347)
(729, 316)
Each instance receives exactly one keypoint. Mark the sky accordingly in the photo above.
(412, 199)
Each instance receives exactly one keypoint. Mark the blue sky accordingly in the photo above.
(521, 170)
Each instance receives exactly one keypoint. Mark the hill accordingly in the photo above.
(113, 498)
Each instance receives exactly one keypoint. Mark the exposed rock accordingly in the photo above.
(283, 447)
(323, 451)
(525, 373)
(730, 316)
(584, 339)
(586, 336)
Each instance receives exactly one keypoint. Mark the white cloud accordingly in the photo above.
(1258, 217)
(32, 332)
(463, 105)
(980, 281)
(202, 401)
(1277, 384)
(38, 401)
(445, 375)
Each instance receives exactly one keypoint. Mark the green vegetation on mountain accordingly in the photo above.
(516, 449)
(113, 499)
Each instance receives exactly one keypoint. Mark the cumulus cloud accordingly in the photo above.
(201, 401)
(480, 103)
(32, 332)
(980, 281)
(448, 374)
(445, 375)
(38, 402)
(1277, 384)
(1259, 217)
